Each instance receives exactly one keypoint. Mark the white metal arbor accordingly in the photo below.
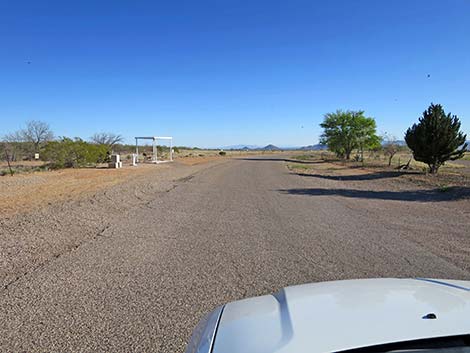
(154, 147)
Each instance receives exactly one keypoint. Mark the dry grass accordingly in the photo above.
(26, 192)
(199, 159)
(455, 173)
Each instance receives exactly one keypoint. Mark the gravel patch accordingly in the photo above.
(31, 239)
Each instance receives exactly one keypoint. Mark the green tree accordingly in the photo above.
(344, 131)
(436, 138)
(66, 153)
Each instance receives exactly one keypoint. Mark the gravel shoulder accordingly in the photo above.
(45, 215)
(423, 209)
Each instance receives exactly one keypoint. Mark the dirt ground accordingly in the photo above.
(46, 214)
(387, 183)
(26, 192)
(134, 266)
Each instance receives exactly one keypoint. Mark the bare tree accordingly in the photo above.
(7, 152)
(390, 147)
(13, 146)
(107, 138)
(37, 133)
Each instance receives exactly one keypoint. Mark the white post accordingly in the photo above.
(171, 150)
(137, 148)
(155, 152)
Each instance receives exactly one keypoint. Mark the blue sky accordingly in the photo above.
(221, 72)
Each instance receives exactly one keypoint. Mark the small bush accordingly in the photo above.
(300, 166)
(68, 153)
(222, 153)
(444, 188)
(304, 157)
(4, 172)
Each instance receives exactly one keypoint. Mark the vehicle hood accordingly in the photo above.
(341, 315)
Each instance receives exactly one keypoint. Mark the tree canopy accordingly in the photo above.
(436, 138)
(344, 131)
(31, 139)
(107, 138)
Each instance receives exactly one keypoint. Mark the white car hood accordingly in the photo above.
(341, 315)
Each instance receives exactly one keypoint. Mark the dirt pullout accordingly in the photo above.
(406, 201)
(45, 215)
(27, 192)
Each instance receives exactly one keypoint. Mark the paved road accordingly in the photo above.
(236, 229)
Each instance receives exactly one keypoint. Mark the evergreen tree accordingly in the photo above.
(436, 138)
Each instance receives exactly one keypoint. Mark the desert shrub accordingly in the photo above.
(222, 153)
(304, 157)
(444, 188)
(68, 153)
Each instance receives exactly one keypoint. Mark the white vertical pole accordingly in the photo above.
(137, 148)
(155, 156)
(171, 149)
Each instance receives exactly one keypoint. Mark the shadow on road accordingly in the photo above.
(451, 194)
(372, 176)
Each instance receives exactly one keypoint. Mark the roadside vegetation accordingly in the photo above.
(434, 143)
(36, 148)
(351, 137)
(346, 131)
(436, 139)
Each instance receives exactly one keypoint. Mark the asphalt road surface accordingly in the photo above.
(234, 229)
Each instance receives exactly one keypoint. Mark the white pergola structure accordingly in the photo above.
(154, 147)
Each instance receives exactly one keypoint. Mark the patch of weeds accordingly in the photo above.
(303, 157)
(42, 168)
(299, 166)
(444, 188)
(5, 172)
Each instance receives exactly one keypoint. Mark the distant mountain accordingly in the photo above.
(241, 147)
(401, 143)
(270, 148)
(317, 147)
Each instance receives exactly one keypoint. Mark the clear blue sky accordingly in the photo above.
(216, 73)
